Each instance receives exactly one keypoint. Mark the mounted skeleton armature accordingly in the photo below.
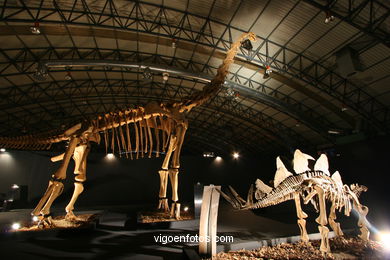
(157, 127)
(315, 186)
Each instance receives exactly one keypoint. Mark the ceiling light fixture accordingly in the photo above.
(328, 17)
(247, 45)
(267, 72)
(2, 150)
(334, 132)
(147, 74)
(165, 76)
(68, 76)
(208, 154)
(40, 72)
(236, 155)
(35, 29)
(173, 43)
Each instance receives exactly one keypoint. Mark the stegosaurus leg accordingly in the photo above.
(333, 224)
(322, 221)
(301, 218)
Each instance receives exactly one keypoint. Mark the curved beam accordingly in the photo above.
(254, 63)
(115, 53)
(320, 77)
(244, 91)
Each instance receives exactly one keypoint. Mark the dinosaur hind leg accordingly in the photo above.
(362, 222)
(301, 218)
(55, 187)
(333, 224)
(163, 201)
(174, 172)
(78, 189)
(322, 221)
(80, 158)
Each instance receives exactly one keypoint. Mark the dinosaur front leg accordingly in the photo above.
(301, 218)
(163, 200)
(175, 209)
(322, 221)
(55, 187)
(80, 159)
(362, 222)
(174, 172)
(334, 225)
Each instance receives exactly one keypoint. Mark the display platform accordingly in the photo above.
(341, 248)
(159, 216)
(114, 237)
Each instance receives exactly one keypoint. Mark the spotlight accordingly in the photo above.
(68, 76)
(236, 155)
(335, 131)
(110, 156)
(208, 154)
(173, 43)
(147, 74)
(218, 158)
(185, 209)
(2, 150)
(385, 240)
(165, 76)
(35, 29)
(267, 72)
(15, 226)
(15, 186)
(247, 45)
(35, 218)
(40, 73)
(229, 92)
(328, 17)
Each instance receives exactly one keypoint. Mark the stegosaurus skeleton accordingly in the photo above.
(167, 119)
(315, 186)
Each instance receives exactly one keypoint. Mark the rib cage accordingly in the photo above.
(292, 184)
(283, 192)
(125, 133)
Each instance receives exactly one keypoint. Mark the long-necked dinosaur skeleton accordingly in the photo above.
(315, 186)
(155, 127)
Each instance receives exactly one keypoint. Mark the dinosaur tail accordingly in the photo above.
(30, 142)
(37, 142)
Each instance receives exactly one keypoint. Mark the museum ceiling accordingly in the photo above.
(329, 59)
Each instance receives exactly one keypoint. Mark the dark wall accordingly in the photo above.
(368, 163)
(124, 181)
(120, 181)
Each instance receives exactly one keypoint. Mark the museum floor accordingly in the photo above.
(118, 237)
